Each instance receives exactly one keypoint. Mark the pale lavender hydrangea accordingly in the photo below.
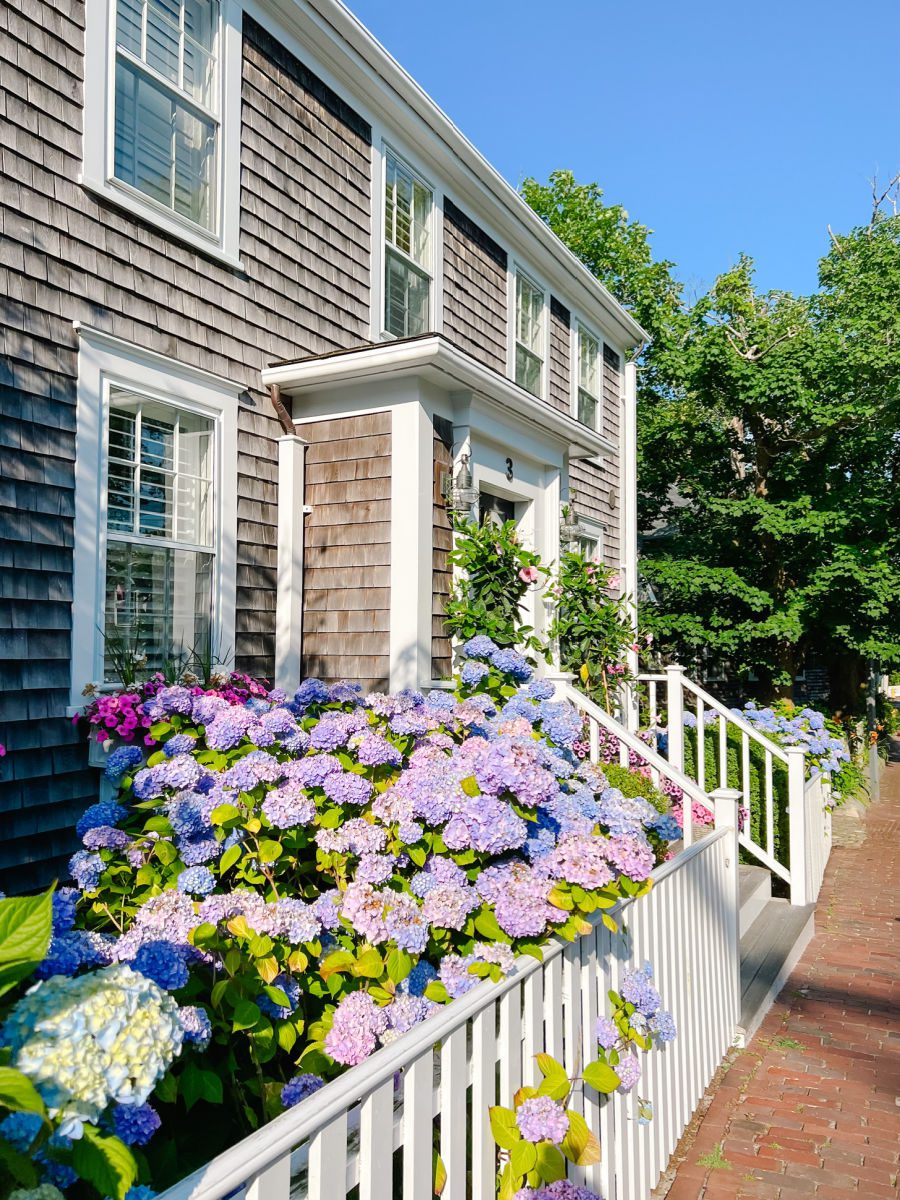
(606, 1033)
(662, 1026)
(373, 750)
(438, 870)
(541, 1119)
(312, 771)
(581, 860)
(406, 923)
(336, 729)
(403, 1013)
(227, 728)
(363, 908)
(357, 1025)
(196, 1025)
(631, 856)
(86, 869)
(628, 1070)
(105, 837)
(196, 881)
(637, 988)
(297, 921)
(519, 894)
(375, 868)
(448, 905)
(327, 909)
(287, 806)
(346, 788)
(454, 974)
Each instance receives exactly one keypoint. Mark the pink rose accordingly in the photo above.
(529, 574)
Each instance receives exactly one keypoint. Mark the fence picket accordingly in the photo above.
(327, 1159)
(376, 1144)
(454, 1073)
(418, 1104)
(484, 1096)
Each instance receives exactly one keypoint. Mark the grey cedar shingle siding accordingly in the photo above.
(593, 485)
(560, 354)
(347, 549)
(474, 289)
(66, 256)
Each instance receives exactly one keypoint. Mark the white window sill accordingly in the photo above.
(167, 223)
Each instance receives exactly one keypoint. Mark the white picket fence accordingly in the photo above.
(376, 1126)
(802, 861)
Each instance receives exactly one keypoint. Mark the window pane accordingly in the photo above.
(129, 18)
(163, 39)
(407, 213)
(587, 409)
(406, 298)
(195, 145)
(588, 363)
(529, 315)
(158, 602)
(528, 371)
(201, 22)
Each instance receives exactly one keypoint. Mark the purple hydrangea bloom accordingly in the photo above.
(336, 729)
(357, 1025)
(363, 907)
(628, 1070)
(631, 856)
(106, 812)
(581, 860)
(487, 825)
(181, 743)
(196, 881)
(441, 700)
(375, 868)
(403, 1013)
(448, 905)
(518, 894)
(560, 1189)
(163, 963)
(121, 761)
(541, 1119)
(297, 921)
(312, 771)
(299, 1088)
(311, 691)
(227, 728)
(606, 1033)
(105, 837)
(328, 908)
(182, 771)
(454, 974)
(479, 647)
(205, 709)
(272, 1008)
(637, 988)
(148, 784)
(135, 1124)
(373, 750)
(437, 870)
(288, 806)
(175, 700)
(346, 788)
(662, 1026)
(195, 851)
(406, 923)
(196, 1025)
(86, 869)
(473, 672)
(540, 689)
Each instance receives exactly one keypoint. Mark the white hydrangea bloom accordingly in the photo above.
(87, 1042)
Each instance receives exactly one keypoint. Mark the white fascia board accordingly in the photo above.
(367, 71)
(436, 359)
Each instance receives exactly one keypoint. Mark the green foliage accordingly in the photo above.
(592, 627)
(633, 785)
(496, 573)
(24, 936)
(769, 456)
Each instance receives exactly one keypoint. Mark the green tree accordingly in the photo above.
(768, 458)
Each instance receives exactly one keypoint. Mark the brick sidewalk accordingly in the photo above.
(812, 1106)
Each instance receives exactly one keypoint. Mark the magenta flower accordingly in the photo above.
(528, 574)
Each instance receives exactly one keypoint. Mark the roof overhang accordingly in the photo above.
(434, 358)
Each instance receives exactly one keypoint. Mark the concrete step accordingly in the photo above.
(770, 949)
(756, 892)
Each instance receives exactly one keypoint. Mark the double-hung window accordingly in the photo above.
(166, 103)
(529, 364)
(408, 251)
(155, 512)
(160, 532)
(589, 379)
(162, 115)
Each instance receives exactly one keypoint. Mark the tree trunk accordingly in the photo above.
(786, 661)
(846, 681)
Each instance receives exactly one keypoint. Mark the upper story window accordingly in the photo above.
(529, 364)
(408, 206)
(163, 114)
(167, 126)
(589, 379)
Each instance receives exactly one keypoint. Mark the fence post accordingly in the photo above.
(726, 801)
(797, 831)
(675, 714)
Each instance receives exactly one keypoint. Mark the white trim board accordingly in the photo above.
(104, 361)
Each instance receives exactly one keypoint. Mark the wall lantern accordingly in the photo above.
(569, 529)
(461, 497)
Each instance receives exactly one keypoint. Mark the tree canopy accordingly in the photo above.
(769, 449)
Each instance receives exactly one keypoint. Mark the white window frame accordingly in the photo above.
(578, 328)
(385, 149)
(222, 240)
(106, 362)
(595, 531)
(517, 271)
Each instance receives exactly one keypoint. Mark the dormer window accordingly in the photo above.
(408, 206)
(529, 366)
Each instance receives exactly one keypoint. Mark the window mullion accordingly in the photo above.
(136, 518)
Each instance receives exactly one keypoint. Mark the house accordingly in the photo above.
(262, 305)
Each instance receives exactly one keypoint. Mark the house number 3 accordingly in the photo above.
(509, 468)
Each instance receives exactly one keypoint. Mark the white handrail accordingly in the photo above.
(652, 757)
(734, 718)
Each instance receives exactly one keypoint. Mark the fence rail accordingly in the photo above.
(374, 1128)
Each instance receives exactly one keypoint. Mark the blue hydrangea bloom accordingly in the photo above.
(479, 647)
(181, 743)
(135, 1124)
(299, 1088)
(121, 761)
(663, 1026)
(291, 989)
(473, 672)
(106, 812)
(163, 963)
(20, 1129)
(510, 662)
(65, 900)
(196, 881)
(196, 1024)
(311, 691)
(86, 869)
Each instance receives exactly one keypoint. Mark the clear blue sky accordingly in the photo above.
(725, 127)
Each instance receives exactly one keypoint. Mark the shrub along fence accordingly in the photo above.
(371, 1132)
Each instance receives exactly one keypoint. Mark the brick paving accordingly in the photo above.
(812, 1107)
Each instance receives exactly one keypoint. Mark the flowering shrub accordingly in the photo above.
(83, 1055)
(591, 627)
(823, 741)
(497, 572)
(539, 1134)
(313, 876)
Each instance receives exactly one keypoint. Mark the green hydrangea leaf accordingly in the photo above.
(105, 1162)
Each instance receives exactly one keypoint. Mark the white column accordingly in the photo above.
(289, 593)
(412, 455)
(797, 832)
(629, 529)
(726, 802)
(675, 714)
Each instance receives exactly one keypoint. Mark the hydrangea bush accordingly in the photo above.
(539, 1135)
(312, 876)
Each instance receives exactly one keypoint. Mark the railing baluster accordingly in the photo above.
(701, 745)
(327, 1160)
(723, 752)
(484, 1096)
(418, 1085)
(745, 773)
(453, 1112)
(274, 1183)
(594, 735)
(376, 1144)
(533, 1027)
(553, 1008)
(770, 807)
(510, 1044)
(654, 714)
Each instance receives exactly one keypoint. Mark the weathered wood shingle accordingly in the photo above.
(475, 308)
(66, 256)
